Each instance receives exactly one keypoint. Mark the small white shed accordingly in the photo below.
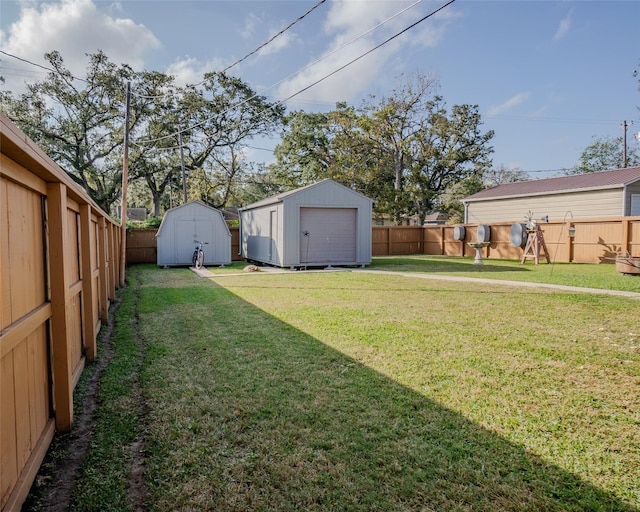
(322, 224)
(193, 221)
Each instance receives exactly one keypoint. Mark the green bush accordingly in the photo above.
(150, 223)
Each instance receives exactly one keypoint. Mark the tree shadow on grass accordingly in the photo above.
(248, 413)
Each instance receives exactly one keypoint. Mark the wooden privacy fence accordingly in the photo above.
(59, 268)
(595, 241)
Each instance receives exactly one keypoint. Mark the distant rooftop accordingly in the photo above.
(593, 180)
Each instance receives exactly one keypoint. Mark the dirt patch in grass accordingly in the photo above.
(53, 487)
(136, 488)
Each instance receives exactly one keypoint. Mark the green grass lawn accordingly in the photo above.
(354, 391)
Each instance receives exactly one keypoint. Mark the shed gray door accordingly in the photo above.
(327, 235)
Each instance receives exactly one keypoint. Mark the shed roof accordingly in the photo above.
(196, 202)
(277, 198)
(617, 178)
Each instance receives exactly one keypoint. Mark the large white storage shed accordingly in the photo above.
(193, 221)
(322, 224)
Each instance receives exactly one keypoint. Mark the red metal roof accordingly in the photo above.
(592, 180)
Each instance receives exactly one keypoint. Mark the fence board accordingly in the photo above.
(9, 469)
(86, 275)
(39, 399)
(5, 274)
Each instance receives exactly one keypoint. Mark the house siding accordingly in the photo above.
(595, 203)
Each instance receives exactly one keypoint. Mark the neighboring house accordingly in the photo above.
(322, 224)
(433, 219)
(613, 193)
(193, 221)
(138, 214)
(230, 214)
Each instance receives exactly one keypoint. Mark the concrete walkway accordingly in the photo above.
(520, 284)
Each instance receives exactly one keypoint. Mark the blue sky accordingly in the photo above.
(548, 76)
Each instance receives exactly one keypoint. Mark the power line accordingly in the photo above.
(344, 45)
(275, 36)
(300, 18)
(325, 56)
(17, 71)
(550, 119)
(562, 169)
(38, 65)
(369, 51)
(280, 102)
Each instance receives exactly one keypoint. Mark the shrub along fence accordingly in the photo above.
(59, 269)
(597, 240)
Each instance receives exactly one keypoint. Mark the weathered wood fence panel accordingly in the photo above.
(59, 267)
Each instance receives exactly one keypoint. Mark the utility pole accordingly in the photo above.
(184, 177)
(624, 127)
(125, 180)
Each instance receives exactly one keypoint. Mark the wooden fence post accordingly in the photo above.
(626, 235)
(62, 371)
(103, 297)
(113, 262)
(389, 242)
(86, 273)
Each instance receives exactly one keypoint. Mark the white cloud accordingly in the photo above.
(251, 22)
(512, 102)
(349, 22)
(279, 43)
(74, 28)
(252, 25)
(190, 70)
(563, 27)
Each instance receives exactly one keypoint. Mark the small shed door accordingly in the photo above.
(188, 230)
(273, 230)
(327, 235)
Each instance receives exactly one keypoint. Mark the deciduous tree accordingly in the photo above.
(403, 151)
(604, 154)
(78, 123)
